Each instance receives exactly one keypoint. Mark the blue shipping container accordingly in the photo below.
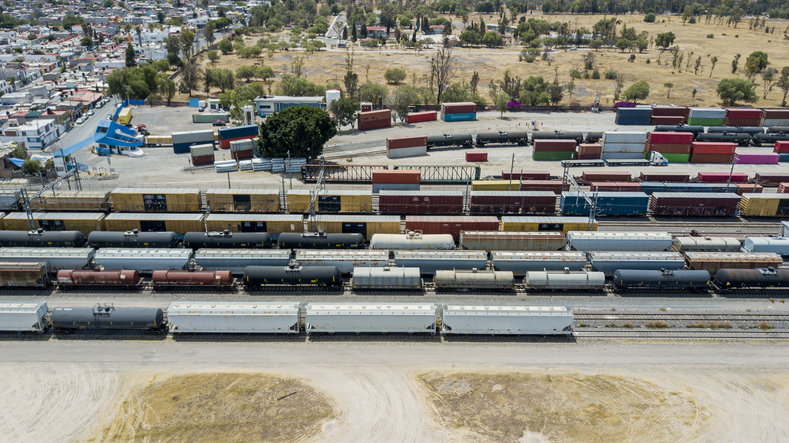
(650, 187)
(783, 158)
(183, 148)
(634, 112)
(633, 121)
(465, 117)
(608, 203)
(238, 132)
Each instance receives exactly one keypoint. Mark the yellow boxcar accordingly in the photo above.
(764, 205)
(243, 200)
(271, 223)
(125, 115)
(157, 200)
(86, 222)
(72, 201)
(367, 225)
(547, 223)
(331, 201)
(178, 223)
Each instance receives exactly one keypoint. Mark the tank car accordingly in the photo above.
(41, 238)
(740, 138)
(132, 239)
(752, 278)
(319, 240)
(387, 278)
(226, 239)
(696, 130)
(769, 139)
(108, 318)
(502, 137)
(594, 137)
(165, 279)
(778, 130)
(293, 274)
(558, 135)
(633, 279)
(735, 129)
(78, 277)
(474, 279)
(449, 140)
(412, 241)
(564, 280)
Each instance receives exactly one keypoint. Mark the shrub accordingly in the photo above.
(719, 325)
(610, 75)
(596, 75)
(710, 35)
(586, 75)
(628, 325)
(692, 21)
(736, 36)
(528, 59)
(649, 18)
(656, 325)
(764, 326)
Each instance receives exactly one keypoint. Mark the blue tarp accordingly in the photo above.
(16, 161)
(194, 102)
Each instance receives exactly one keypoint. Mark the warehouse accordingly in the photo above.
(85, 222)
(242, 200)
(271, 223)
(178, 223)
(514, 320)
(157, 200)
(367, 225)
(234, 318)
(330, 201)
(371, 318)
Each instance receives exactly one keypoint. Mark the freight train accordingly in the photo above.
(194, 317)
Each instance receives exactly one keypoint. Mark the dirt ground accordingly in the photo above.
(329, 65)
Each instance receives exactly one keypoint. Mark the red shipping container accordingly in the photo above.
(203, 160)
(771, 179)
(418, 117)
(593, 156)
(667, 148)
(370, 116)
(713, 148)
(542, 185)
(243, 155)
(751, 113)
(476, 156)
(742, 122)
(459, 108)
(397, 176)
(748, 188)
(615, 187)
(783, 188)
(712, 158)
(541, 145)
(657, 177)
(781, 147)
(225, 144)
(420, 202)
(774, 114)
(668, 120)
(450, 224)
(512, 202)
(722, 177)
(375, 124)
(670, 137)
(590, 148)
(594, 176)
(406, 142)
(669, 111)
(526, 175)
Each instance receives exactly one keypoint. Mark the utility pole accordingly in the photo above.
(731, 172)
(290, 171)
(228, 180)
(512, 166)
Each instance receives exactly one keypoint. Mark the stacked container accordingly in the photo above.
(419, 117)
(722, 177)
(227, 135)
(451, 224)
(691, 204)
(420, 202)
(525, 175)
(242, 149)
(590, 151)
(775, 117)
(623, 145)
(202, 154)
(182, 141)
(771, 179)
(615, 187)
(459, 112)
(401, 147)
(743, 117)
(512, 202)
(476, 156)
(669, 115)
(608, 203)
(755, 158)
(712, 152)
(634, 116)
(673, 146)
(595, 176)
(400, 180)
(781, 147)
(706, 116)
(554, 149)
(375, 119)
(661, 177)
(748, 188)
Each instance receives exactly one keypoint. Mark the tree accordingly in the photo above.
(783, 83)
(130, 56)
(249, 52)
(213, 57)
(373, 92)
(222, 79)
(160, 17)
(697, 66)
(351, 78)
(442, 70)
(686, 13)
(226, 46)
(623, 44)
(302, 130)
(596, 44)
(492, 39)
(344, 110)
(86, 41)
(734, 63)
(394, 76)
(208, 32)
(190, 75)
(166, 88)
(637, 91)
(71, 20)
(401, 100)
(501, 103)
(732, 90)
(555, 93)
(246, 72)
(755, 63)
(768, 76)
(187, 40)
(474, 82)
(589, 59)
(570, 88)
(649, 18)
(31, 166)
(713, 60)
(668, 86)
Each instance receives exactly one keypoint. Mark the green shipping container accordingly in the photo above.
(705, 121)
(677, 158)
(209, 117)
(552, 155)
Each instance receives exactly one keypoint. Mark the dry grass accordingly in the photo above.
(218, 407)
(563, 408)
(656, 325)
(711, 325)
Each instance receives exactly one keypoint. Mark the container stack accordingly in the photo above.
(226, 166)
(771, 180)
(261, 164)
(781, 147)
(375, 119)
(277, 164)
(589, 151)
(294, 164)
(420, 202)
(754, 158)
(706, 116)
(775, 117)
(419, 117)
(669, 115)
(476, 156)
(553, 149)
(210, 117)
(712, 152)
(554, 186)
(634, 116)
(623, 145)
(242, 149)
(396, 180)
(722, 177)
(412, 146)
(182, 141)
(245, 165)
(459, 112)
(661, 177)
(202, 154)
(227, 135)
(674, 146)
(749, 188)
(743, 117)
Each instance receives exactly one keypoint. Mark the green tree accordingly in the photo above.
(735, 63)
(249, 52)
(649, 18)
(755, 63)
(130, 56)
(31, 166)
(394, 76)
(71, 20)
(208, 32)
(302, 130)
(492, 39)
(213, 57)
(226, 46)
(733, 90)
(246, 72)
(187, 40)
(401, 99)
(373, 92)
(501, 103)
(86, 41)
(596, 44)
(166, 88)
(783, 83)
(713, 60)
(344, 110)
(223, 79)
(668, 86)
(637, 91)
(623, 44)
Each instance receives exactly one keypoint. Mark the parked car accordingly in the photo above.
(81, 120)
(219, 123)
(201, 109)
(90, 112)
(109, 117)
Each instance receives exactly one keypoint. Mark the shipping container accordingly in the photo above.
(459, 108)
(661, 177)
(764, 205)
(669, 111)
(367, 225)
(158, 140)
(781, 147)
(420, 202)
(712, 158)
(178, 223)
(706, 244)
(512, 202)
(526, 175)
(609, 262)
(467, 117)
(271, 223)
(748, 188)
(85, 222)
(274, 317)
(157, 200)
(210, 117)
(586, 241)
(428, 262)
(667, 148)
(587, 151)
(740, 122)
(595, 176)
(406, 142)
(375, 120)
(713, 148)
(783, 188)
(669, 137)
(511, 241)
(450, 224)
(406, 152)
(608, 203)
(330, 201)
(330, 318)
(546, 223)
(71, 201)
(201, 150)
(698, 121)
(242, 155)
(378, 187)
(712, 113)
(204, 160)
(676, 158)
(722, 177)
(193, 137)
(667, 120)
(554, 186)
(771, 180)
(743, 113)
(242, 145)
(749, 158)
(238, 132)
(688, 204)
(419, 117)
(544, 145)
(476, 156)
(622, 137)
(519, 263)
(615, 187)
(713, 261)
(404, 176)
(552, 155)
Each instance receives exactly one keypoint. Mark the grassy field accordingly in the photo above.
(329, 66)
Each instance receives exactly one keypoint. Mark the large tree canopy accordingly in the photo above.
(302, 130)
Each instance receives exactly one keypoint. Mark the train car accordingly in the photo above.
(558, 135)
(397, 278)
(24, 317)
(41, 238)
(764, 205)
(664, 278)
(319, 240)
(546, 223)
(349, 201)
(587, 241)
(768, 139)
(188, 317)
(144, 261)
(706, 244)
(695, 129)
(474, 279)
(506, 320)
(778, 245)
(502, 138)
(522, 262)
(412, 241)
(274, 224)
(326, 276)
(85, 222)
(236, 261)
(58, 258)
(564, 280)
(593, 137)
(449, 140)
(383, 318)
(132, 239)
(226, 239)
(610, 262)
(157, 200)
(511, 241)
(78, 277)
(713, 261)
(367, 225)
(169, 279)
(345, 261)
(24, 274)
(431, 261)
(740, 138)
(152, 222)
(512, 202)
(736, 129)
(770, 277)
(108, 318)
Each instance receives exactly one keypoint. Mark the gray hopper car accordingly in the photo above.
(132, 239)
(502, 137)
(474, 279)
(108, 318)
(41, 238)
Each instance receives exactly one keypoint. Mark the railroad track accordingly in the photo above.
(742, 227)
(684, 334)
(612, 316)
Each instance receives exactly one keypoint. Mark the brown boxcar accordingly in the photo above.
(399, 176)
(694, 204)
(512, 202)
(667, 120)
(420, 202)
(615, 187)
(748, 188)
(669, 111)
(722, 177)
(511, 240)
(406, 142)
(595, 176)
(771, 179)
(24, 274)
(526, 175)
(450, 224)
(713, 261)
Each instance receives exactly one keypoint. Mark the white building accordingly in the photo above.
(37, 134)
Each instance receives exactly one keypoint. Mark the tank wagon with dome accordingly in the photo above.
(123, 278)
(625, 279)
(320, 240)
(132, 239)
(294, 275)
(41, 238)
(227, 239)
(474, 279)
(761, 278)
(108, 317)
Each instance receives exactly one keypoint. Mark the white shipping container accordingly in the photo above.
(775, 122)
(619, 241)
(205, 135)
(344, 260)
(624, 137)
(374, 317)
(143, 260)
(242, 145)
(623, 147)
(23, 317)
(778, 245)
(507, 320)
(415, 151)
(234, 317)
(201, 150)
(707, 113)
